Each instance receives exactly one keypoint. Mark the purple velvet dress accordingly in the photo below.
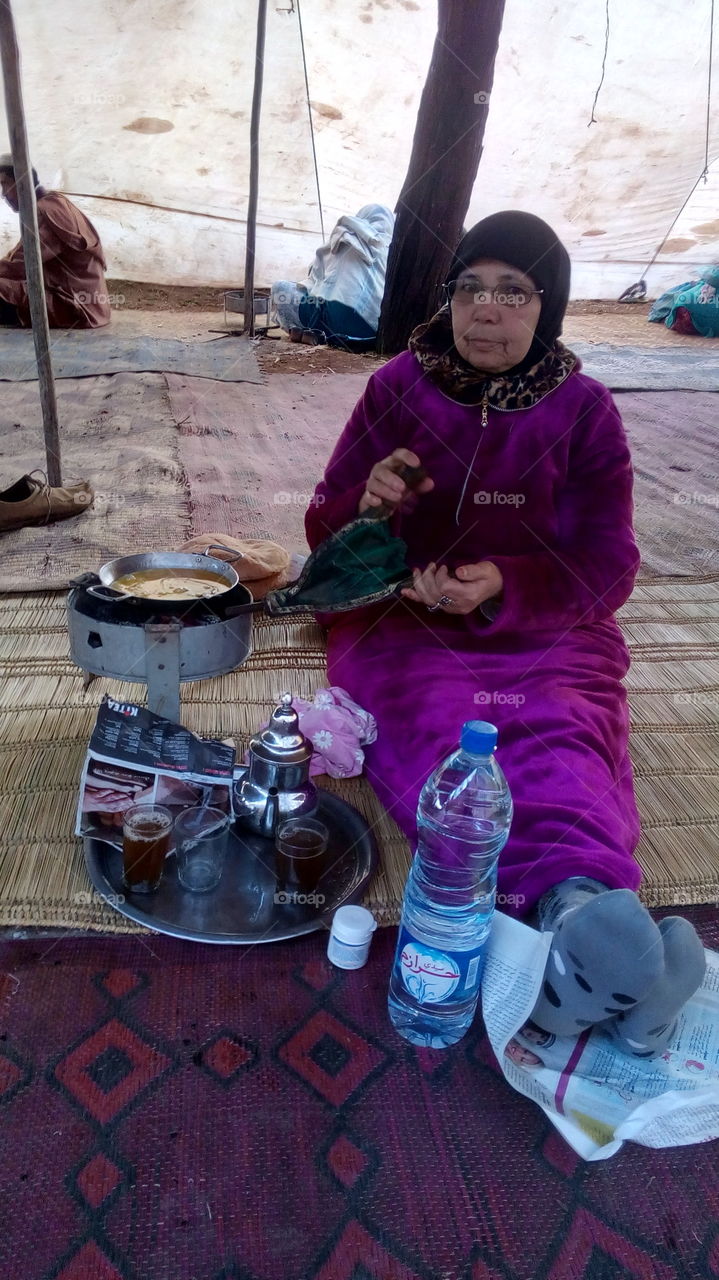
(548, 499)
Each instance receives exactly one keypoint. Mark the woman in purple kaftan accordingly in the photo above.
(523, 545)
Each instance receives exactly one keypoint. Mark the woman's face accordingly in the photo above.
(491, 335)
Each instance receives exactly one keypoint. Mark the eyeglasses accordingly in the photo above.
(467, 292)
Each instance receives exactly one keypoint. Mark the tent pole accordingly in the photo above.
(249, 315)
(30, 238)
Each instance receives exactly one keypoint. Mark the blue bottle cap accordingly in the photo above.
(479, 737)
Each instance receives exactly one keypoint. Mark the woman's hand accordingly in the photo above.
(472, 585)
(384, 485)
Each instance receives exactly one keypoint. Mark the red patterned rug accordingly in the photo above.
(177, 1112)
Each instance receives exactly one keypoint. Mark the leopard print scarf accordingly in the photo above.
(433, 346)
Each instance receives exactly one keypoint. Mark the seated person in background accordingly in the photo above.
(72, 259)
(341, 301)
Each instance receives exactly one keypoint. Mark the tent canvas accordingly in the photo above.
(141, 114)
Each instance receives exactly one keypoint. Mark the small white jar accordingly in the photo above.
(350, 936)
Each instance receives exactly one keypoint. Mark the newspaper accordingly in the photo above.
(595, 1095)
(136, 757)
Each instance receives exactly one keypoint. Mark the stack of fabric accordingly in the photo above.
(692, 307)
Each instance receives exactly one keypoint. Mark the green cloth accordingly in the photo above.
(360, 565)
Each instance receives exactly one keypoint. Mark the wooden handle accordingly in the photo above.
(412, 476)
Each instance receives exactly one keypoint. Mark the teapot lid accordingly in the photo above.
(282, 741)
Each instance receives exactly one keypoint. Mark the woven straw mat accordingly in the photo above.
(46, 719)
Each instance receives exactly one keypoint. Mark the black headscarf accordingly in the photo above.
(526, 242)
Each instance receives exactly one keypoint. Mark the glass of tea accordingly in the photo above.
(146, 835)
(300, 846)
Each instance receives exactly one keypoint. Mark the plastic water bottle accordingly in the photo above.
(463, 820)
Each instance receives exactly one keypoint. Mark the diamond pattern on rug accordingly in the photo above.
(357, 1256)
(89, 1264)
(317, 974)
(331, 1057)
(416, 1175)
(99, 1178)
(592, 1250)
(120, 982)
(346, 1161)
(226, 1056)
(14, 1073)
(109, 1070)
(10, 1076)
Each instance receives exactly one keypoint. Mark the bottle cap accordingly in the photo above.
(353, 924)
(479, 737)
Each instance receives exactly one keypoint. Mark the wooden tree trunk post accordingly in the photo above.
(443, 166)
(30, 238)
(249, 312)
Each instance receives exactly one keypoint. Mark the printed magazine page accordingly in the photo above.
(595, 1095)
(136, 757)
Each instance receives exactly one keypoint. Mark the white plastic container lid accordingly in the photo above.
(353, 924)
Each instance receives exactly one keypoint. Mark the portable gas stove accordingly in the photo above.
(160, 646)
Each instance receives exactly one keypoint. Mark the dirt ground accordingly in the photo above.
(197, 314)
(279, 355)
(158, 297)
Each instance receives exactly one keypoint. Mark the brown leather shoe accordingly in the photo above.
(33, 501)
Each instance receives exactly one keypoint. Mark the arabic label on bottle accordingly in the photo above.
(433, 976)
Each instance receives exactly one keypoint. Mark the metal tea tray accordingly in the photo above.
(244, 908)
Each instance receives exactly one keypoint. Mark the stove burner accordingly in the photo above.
(161, 646)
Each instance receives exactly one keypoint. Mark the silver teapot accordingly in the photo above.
(276, 783)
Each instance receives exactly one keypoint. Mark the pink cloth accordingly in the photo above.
(338, 729)
(548, 499)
